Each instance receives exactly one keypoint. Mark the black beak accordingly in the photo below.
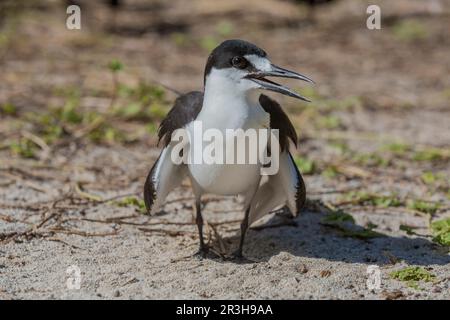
(258, 77)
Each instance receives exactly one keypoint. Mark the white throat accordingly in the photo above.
(229, 101)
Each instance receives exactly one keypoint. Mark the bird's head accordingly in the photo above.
(241, 67)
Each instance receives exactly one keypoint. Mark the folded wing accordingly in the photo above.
(287, 186)
(284, 188)
(166, 175)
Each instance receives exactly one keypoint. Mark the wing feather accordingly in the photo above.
(279, 120)
(185, 110)
(162, 178)
(287, 186)
(165, 175)
(284, 188)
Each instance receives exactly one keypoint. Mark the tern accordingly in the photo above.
(234, 76)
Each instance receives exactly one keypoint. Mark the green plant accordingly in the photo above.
(106, 133)
(224, 28)
(341, 146)
(441, 231)
(408, 229)
(23, 147)
(371, 160)
(115, 65)
(8, 109)
(208, 43)
(430, 154)
(345, 223)
(428, 177)
(306, 166)
(423, 206)
(180, 39)
(409, 30)
(330, 172)
(412, 275)
(367, 198)
(144, 102)
(328, 122)
(397, 148)
(337, 217)
(135, 202)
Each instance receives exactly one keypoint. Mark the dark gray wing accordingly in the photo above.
(286, 187)
(279, 120)
(185, 110)
(164, 176)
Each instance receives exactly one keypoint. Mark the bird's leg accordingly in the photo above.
(203, 250)
(244, 227)
(244, 224)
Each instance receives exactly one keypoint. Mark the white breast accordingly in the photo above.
(224, 110)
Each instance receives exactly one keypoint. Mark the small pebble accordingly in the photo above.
(302, 268)
(437, 290)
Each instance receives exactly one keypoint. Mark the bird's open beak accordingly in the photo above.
(258, 77)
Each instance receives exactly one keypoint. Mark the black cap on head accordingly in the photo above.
(222, 55)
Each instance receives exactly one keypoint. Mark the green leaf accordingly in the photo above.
(131, 110)
(152, 128)
(366, 198)
(408, 229)
(345, 223)
(224, 28)
(208, 43)
(23, 148)
(115, 65)
(132, 202)
(411, 275)
(8, 109)
(410, 30)
(431, 154)
(329, 122)
(397, 148)
(441, 232)
(306, 166)
(70, 114)
(180, 39)
(428, 177)
(337, 217)
(423, 206)
(330, 172)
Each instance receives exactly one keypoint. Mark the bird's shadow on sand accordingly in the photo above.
(311, 239)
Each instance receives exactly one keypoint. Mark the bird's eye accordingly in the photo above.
(239, 62)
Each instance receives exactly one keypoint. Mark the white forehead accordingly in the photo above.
(260, 63)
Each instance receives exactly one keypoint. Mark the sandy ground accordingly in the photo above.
(54, 212)
(307, 261)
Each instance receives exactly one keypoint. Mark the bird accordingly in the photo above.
(234, 78)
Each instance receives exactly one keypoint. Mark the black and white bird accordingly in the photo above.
(234, 75)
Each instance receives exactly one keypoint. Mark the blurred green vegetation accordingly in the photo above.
(345, 224)
(306, 166)
(367, 198)
(23, 147)
(441, 231)
(133, 202)
(142, 105)
(423, 206)
(412, 276)
(409, 30)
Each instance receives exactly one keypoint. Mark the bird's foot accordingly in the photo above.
(202, 252)
(208, 253)
(237, 257)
